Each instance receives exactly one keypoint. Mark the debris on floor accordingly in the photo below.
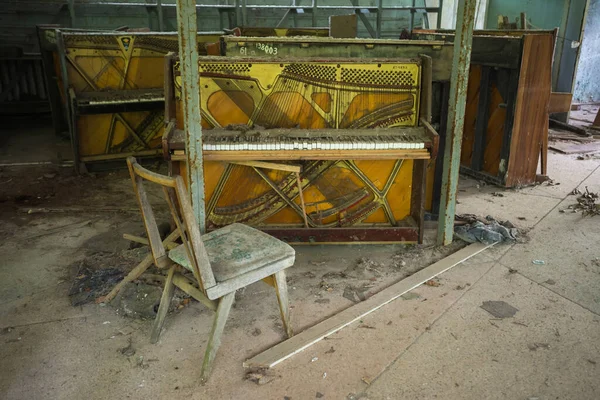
(486, 230)
(499, 309)
(535, 346)
(356, 294)
(410, 296)
(587, 203)
(90, 284)
(408, 255)
(99, 272)
(260, 376)
(592, 147)
(550, 182)
(432, 282)
(128, 350)
(365, 268)
(138, 300)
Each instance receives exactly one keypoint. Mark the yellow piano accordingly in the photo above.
(311, 151)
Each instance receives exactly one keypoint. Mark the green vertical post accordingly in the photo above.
(159, 13)
(412, 16)
(244, 13)
(459, 80)
(379, 18)
(238, 14)
(190, 93)
(315, 4)
(71, 5)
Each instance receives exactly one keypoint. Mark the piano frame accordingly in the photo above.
(109, 110)
(409, 230)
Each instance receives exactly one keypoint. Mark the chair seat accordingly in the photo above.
(237, 250)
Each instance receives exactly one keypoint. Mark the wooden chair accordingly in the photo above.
(221, 261)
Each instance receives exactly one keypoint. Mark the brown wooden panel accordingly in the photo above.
(560, 102)
(531, 111)
(470, 115)
(494, 133)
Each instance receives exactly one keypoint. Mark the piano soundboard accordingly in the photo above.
(307, 94)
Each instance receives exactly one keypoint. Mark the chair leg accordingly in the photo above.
(214, 341)
(163, 309)
(282, 297)
(131, 276)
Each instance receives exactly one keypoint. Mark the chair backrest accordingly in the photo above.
(177, 198)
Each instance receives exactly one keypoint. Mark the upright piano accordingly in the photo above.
(311, 151)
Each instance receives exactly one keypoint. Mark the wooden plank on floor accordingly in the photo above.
(310, 336)
(576, 148)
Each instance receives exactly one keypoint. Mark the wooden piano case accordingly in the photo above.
(505, 134)
(367, 198)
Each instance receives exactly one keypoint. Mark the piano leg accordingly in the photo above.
(417, 197)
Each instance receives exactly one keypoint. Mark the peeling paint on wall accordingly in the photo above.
(587, 83)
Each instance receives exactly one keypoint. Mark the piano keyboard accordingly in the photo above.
(284, 143)
(309, 144)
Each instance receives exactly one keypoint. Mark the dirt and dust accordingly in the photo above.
(98, 272)
(48, 196)
(358, 279)
(106, 257)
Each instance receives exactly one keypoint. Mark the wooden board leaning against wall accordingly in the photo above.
(356, 195)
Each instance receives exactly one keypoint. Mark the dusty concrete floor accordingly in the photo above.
(437, 342)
